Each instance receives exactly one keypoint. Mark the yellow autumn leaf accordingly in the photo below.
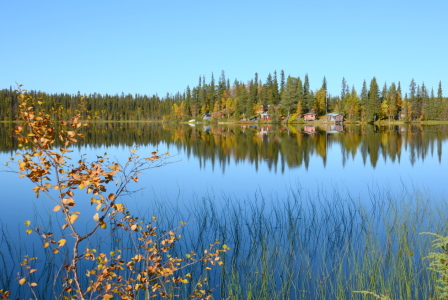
(62, 242)
(57, 208)
(103, 225)
(119, 207)
(46, 245)
(33, 284)
(111, 197)
(68, 201)
(29, 231)
(96, 217)
(72, 218)
(22, 281)
(27, 223)
(115, 167)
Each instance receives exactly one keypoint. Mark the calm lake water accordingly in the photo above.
(249, 163)
(242, 161)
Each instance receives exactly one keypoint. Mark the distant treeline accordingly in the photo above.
(288, 97)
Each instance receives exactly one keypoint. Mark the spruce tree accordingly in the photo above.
(289, 96)
(392, 98)
(308, 99)
(221, 85)
(282, 82)
(324, 84)
(440, 103)
(343, 88)
(373, 103)
(413, 101)
(364, 94)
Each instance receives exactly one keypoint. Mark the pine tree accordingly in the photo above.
(343, 88)
(289, 95)
(352, 105)
(373, 108)
(414, 101)
(211, 93)
(188, 102)
(275, 90)
(299, 109)
(308, 99)
(392, 99)
(364, 94)
(300, 95)
(440, 103)
(324, 84)
(426, 106)
(282, 82)
(384, 103)
(222, 85)
(320, 101)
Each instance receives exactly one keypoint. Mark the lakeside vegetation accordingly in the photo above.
(287, 97)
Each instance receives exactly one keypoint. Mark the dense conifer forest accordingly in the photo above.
(278, 96)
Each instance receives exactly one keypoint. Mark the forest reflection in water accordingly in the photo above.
(278, 146)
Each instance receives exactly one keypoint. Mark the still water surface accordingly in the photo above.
(243, 161)
(262, 169)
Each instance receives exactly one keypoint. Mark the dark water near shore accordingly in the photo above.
(242, 173)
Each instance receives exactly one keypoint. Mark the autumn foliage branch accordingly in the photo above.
(45, 160)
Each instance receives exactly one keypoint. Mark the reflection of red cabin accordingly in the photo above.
(309, 117)
(334, 117)
(264, 130)
(264, 116)
(309, 129)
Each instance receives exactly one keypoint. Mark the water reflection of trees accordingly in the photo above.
(278, 147)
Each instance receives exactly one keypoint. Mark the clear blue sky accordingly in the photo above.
(151, 47)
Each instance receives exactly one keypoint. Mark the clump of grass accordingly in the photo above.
(439, 263)
(322, 245)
